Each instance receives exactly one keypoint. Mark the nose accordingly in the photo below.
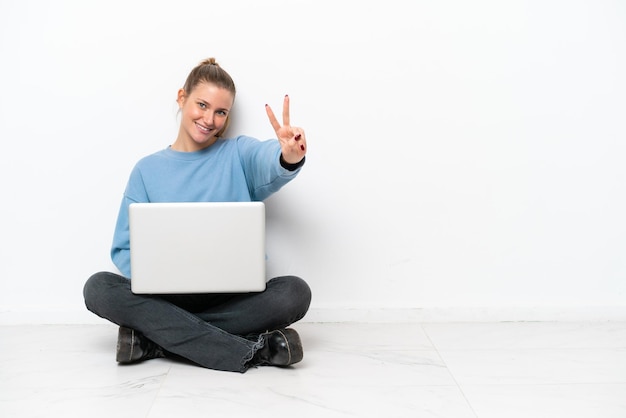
(208, 117)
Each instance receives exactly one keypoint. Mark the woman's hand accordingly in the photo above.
(291, 138)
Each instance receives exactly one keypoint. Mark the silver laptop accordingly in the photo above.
(216, 247)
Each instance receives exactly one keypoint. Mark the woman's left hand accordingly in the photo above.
(291, 138)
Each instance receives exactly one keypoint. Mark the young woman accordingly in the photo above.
(231, 332)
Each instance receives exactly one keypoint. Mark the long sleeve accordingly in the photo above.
(237, 170)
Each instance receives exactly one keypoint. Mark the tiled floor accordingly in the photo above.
(500, 370)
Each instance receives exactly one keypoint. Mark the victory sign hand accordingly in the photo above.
(291, 138)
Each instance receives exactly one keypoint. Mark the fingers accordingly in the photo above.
(295, 148)
(272, 118)
(292, 139)
(300, 140)
(286, 111)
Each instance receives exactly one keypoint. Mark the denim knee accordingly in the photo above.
(296, 294)
(97, 289)
(301, 291)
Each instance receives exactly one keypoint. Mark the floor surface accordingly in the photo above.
(458, 370)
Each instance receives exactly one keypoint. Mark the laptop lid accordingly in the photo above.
(197, 247)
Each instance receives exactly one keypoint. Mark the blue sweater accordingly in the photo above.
(231, 170)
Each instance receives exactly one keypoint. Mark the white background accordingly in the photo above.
(464, 156)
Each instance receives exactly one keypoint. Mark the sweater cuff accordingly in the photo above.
(291, 167)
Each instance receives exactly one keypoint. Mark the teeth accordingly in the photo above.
(202, 128)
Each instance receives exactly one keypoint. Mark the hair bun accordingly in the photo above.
(209, 61)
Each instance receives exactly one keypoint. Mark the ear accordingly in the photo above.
(180, 99)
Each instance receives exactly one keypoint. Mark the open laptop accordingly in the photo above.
(208, 247)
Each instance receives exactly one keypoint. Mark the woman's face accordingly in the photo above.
(204, 113)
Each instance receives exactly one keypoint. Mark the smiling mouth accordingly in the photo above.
(203, 129)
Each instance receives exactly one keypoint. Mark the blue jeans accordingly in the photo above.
(217, 331)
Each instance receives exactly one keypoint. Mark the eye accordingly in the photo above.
(202, 105)
(222, 112)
